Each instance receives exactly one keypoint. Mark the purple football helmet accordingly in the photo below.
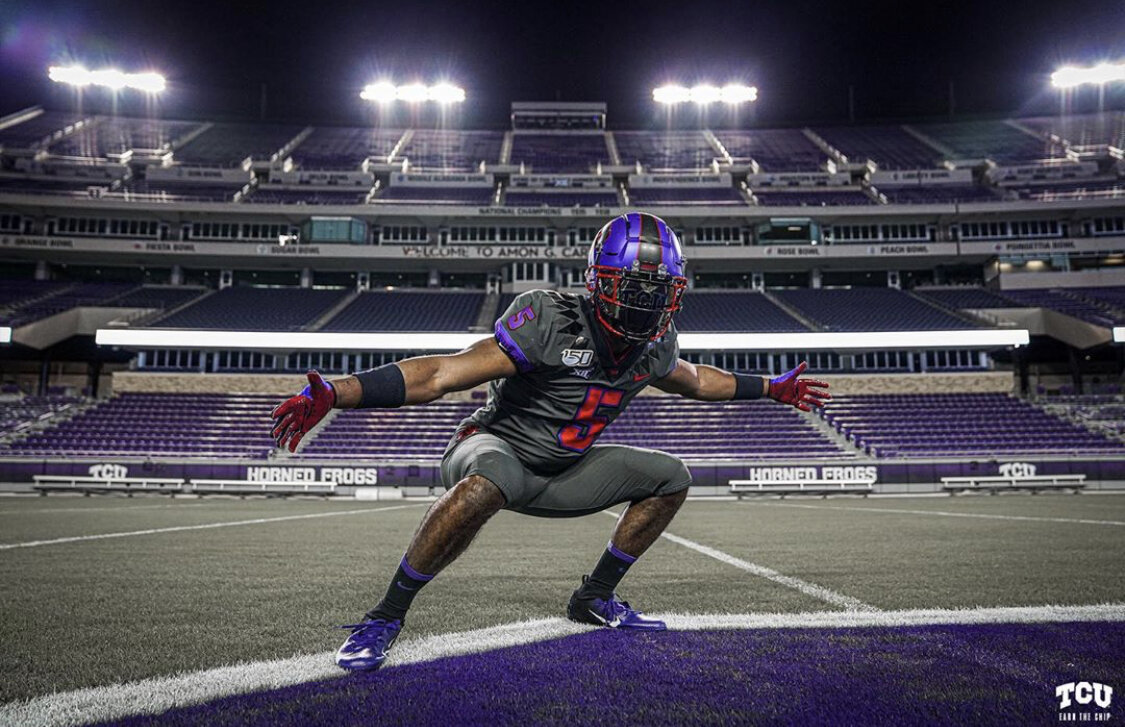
(635, 275)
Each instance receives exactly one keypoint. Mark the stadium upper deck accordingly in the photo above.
(1073, 157)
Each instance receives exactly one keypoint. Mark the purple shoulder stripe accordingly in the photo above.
(504, 338)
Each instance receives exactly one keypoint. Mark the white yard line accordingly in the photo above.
(947, 513)
(123, 508)
(809, 589)
(207, 526)
(156, 695)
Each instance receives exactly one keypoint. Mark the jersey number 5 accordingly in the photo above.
(588, 423)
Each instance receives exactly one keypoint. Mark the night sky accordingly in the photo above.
(315, 57)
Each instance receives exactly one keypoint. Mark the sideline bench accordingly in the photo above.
(242, 488)
(823, 488)
(995, 483)
(90, 485)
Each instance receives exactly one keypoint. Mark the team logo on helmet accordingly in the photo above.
(635, 274)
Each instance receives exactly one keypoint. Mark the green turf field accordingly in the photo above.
(90, 612)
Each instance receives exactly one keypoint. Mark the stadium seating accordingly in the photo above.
(140, 424)
(775, 150)
(868, 309)
(811, 198)
(694, 430)
(39, 185)
(31, 133)
(890, 147)
(561, 199)
(64, 299)
(966, 297)
(18, 413)
(993, 140)
(227, 145)
(952, 425)
(740, 311)
(255, 309)
(408, 311)
(451, 151)
(1086, 189)
(163, 297)
(15, 293)
(664, 151)
(1100, 306)
(117, 135)
(188, 191)
(344, 148)
(1070, 303)
(676, 196)
(939, 194)
(559, 153)
(1083, 130)
(476, 196)
(270, 195)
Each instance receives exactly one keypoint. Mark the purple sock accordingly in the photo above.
(611, 568)
(400, 593)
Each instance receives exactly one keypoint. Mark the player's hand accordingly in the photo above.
(790, 388)
(295, 417)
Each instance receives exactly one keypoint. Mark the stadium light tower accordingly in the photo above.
(110, 78)
(1070, 77)
(386, 92)
(705, 94)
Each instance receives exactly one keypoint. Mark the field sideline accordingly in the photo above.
(148, 588)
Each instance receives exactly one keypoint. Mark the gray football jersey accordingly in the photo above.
(570, 387)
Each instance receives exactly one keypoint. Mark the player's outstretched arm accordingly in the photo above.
(410, 381)
(708, 383)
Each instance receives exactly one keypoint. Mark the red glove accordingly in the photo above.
(789, 388)
(295, 417)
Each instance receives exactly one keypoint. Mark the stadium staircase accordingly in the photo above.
(962, 315)
(506, 148)
(1104, 415)
(833, 153)
(331, 312)
(45, 421)
(6, 311)
(151, 318)
(191, 136)
(486, 317)
(402, 142)
(611, 146)
(719, 148)
(930, 142)
(1026, 130)
(805, 321)
(284, 152)
(831, 433)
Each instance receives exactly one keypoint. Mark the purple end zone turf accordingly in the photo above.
(989, 674)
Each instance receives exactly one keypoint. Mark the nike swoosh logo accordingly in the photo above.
(405, 587)
(640, 377)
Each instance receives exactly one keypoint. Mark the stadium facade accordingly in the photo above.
(946, 231)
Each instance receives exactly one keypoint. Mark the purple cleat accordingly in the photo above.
(587, 608)
(366, 649)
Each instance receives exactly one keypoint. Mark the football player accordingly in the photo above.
(562, 367)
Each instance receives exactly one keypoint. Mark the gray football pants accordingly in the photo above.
(606, 475)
